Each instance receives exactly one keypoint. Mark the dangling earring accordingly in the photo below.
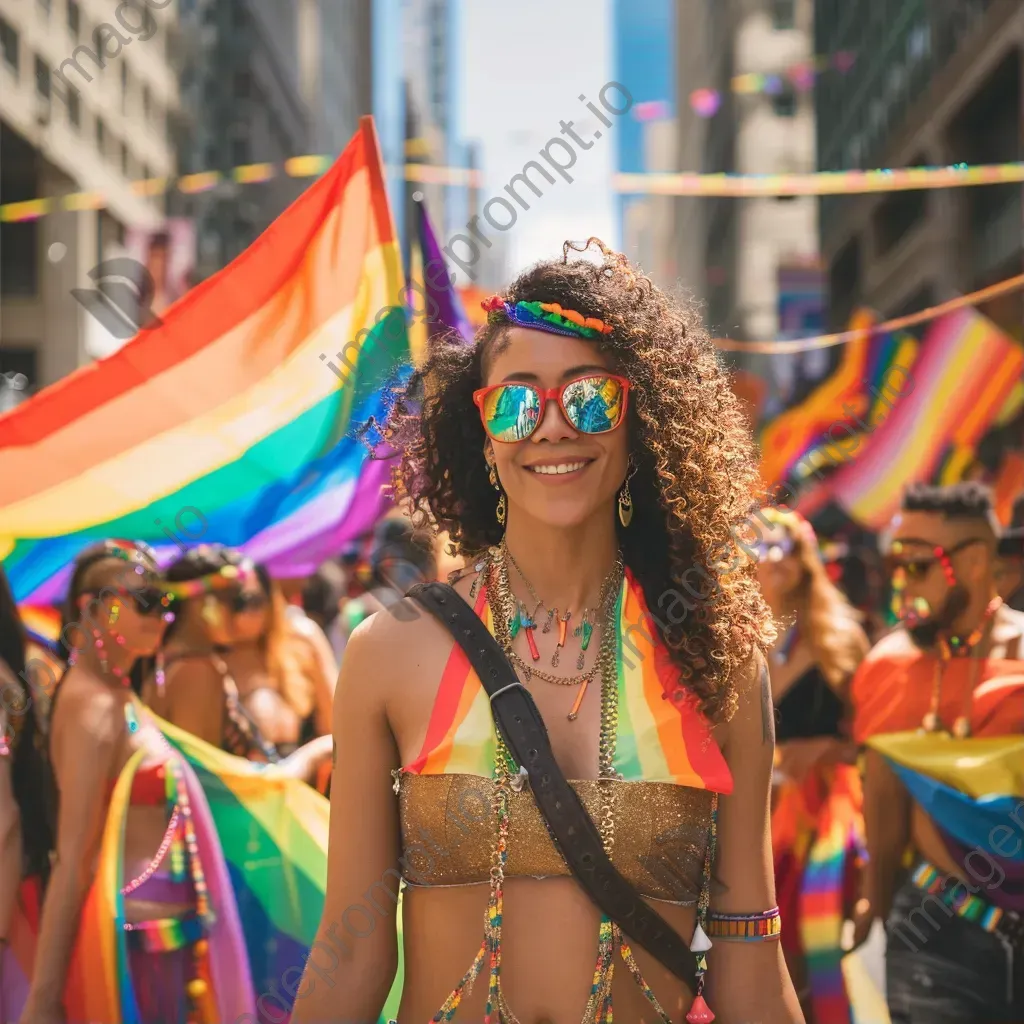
(502, 508)
(210, 611)
(97, 642)
(625, 504)
(161, 674)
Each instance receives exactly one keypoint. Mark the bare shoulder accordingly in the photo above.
(754, 712)
(95, 711)
(191, 674)
(396, 646)
(892, 645)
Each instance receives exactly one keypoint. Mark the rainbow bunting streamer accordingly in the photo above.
(233, 420)
(818, 183)
(959, 382)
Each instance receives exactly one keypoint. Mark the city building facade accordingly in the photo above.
(935, 83)
(754, 261)
(644, 64)
(335, 52)
(242, 103)
(88, 102)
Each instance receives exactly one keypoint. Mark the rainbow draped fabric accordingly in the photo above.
(817, 839)
(263, 844)
(661, 735)
(973, 790)
(235, 407)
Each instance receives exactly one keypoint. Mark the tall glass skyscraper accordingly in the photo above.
(643, 49)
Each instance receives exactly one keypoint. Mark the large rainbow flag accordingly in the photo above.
(960, 381)
(232, 421)
(804, 427)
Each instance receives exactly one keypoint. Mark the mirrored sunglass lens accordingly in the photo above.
(511, 412)
(147, 600)
(594, 404)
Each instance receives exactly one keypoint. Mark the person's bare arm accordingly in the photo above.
(348, 977)
(748, 981)
(10, 838)
(887, 825)
(305, 762)
(324, 668)
(85, 744)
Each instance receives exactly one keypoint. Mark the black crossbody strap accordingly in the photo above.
(523, 731)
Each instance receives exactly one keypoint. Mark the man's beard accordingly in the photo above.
(925, 632)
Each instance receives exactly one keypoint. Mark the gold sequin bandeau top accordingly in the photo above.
(661, 833)
(667, 765)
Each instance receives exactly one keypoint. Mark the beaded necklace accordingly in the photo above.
(958, 647)
(583, 631)
(508, 777)
(511, 620)
(180, 836)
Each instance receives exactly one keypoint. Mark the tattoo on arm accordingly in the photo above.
(767, 711)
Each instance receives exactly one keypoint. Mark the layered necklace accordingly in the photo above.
(504, 608)
(959, 647)
(511, 617)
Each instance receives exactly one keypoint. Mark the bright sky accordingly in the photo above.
(525, 66)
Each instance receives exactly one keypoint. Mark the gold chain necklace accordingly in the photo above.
(583, 631)
(503, 606)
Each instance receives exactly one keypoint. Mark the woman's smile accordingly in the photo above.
(558, 471)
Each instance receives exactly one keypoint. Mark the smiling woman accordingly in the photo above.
(583, 456)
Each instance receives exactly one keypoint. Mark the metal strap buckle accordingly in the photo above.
(501, 690)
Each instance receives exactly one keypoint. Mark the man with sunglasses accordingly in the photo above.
(941, 694)
(1010, 570)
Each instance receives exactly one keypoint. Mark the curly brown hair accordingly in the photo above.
(695, 475)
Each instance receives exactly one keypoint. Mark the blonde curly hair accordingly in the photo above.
(827, 621)
(695, 478)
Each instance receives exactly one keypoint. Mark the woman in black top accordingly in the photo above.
(26, 824)
(817, 825)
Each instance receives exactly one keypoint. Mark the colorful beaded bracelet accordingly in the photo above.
(745, 927)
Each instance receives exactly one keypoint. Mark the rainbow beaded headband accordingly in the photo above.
(545, 316)
(225, 577)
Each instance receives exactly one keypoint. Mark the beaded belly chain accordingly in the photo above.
(507, 778)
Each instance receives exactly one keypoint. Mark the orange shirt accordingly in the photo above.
(893, 693)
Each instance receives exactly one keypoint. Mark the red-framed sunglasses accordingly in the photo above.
(593, 404)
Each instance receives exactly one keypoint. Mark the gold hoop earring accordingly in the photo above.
(625, 505)
(502, 510)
